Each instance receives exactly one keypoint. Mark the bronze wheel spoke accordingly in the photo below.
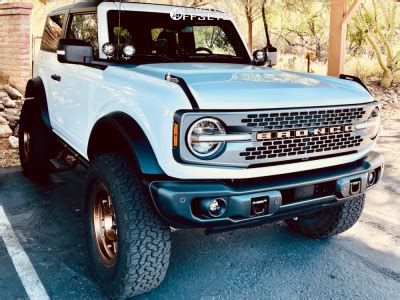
(27, 141)
(105, 226)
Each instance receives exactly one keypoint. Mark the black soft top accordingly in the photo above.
(86, 5)
(92, 5)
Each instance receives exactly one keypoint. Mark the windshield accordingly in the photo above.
(156, 36)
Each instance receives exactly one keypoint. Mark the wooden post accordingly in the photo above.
(340, 17)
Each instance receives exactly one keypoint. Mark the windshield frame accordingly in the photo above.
(104, 33)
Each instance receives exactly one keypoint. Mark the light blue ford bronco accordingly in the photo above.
(180, 127)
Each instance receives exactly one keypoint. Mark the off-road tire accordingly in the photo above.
(331, 221)
(36, 161)
(144, 242)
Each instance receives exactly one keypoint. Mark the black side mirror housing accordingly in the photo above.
(74, 51)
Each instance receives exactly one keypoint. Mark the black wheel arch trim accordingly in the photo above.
(133, 137)
(35, 88)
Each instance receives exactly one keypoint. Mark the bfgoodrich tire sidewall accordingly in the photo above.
(104, 273)
(143, 240)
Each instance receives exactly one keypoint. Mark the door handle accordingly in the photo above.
(56, 77)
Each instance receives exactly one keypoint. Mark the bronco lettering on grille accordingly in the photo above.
(303, 132)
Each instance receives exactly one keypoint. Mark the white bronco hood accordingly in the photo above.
(234, 86)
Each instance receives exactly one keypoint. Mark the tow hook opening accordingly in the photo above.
(259, 206)
(355, 186)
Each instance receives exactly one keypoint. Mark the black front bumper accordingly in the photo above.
(183, 204)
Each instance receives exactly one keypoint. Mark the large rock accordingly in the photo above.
(16, 131)
(8, 103)
(11, 112)
(14, 142)
(13, 120)
(3, 95)
(5, 131)
(3, 121)
(13, 93)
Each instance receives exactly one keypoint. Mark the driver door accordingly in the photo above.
(73, 85)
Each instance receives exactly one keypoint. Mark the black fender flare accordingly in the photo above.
(35, 89)
(132, 135)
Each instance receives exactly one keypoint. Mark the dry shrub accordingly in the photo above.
(363, 67)
(298, 63)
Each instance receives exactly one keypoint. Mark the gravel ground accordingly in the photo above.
(264, 262)
(8, 156)
(389, 99)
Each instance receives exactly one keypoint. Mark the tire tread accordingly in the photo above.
(331, 221)
(147, 238)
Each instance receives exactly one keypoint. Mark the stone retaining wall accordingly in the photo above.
(15, 43)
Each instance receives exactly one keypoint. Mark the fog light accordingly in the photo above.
(212, 207)
(217, 207)
(371, 177)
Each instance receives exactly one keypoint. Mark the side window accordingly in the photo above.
(84, 27)
(52, 32)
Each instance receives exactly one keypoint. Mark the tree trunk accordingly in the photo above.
(386, 79)
(250, 33)
(264, 17)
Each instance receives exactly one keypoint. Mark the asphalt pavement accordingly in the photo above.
(42, 250)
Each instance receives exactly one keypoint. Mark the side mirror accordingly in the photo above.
(272, 56)
(74, 51)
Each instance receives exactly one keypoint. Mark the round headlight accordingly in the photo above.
(199, 129)
(374, 119)
(108, 49)
(129, 50)
(372, 125)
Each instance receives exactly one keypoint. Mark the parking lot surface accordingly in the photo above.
(45, 223)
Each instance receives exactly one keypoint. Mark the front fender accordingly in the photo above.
(127, 132)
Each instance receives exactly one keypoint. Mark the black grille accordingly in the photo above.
(275, 136)
(304, 119)
(299, 146)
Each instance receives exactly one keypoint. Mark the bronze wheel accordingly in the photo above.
(131, 258)
(26, 142)
(105, 226)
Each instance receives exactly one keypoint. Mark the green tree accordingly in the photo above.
(379, 22)
(252, 10)
(303, 26)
